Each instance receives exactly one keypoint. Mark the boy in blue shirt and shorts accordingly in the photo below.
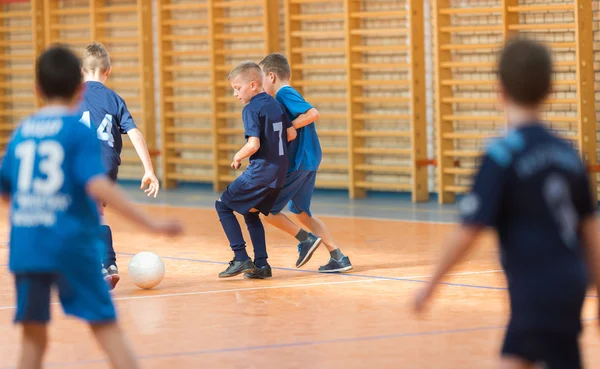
(52, 175)
(267, 131)
(305, 158)
(106, 113)
(532, 188)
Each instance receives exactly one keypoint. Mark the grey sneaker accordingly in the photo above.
(336, 266)
(307, 248)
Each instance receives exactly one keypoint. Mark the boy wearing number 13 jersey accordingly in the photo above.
(106, 113)
(52, 178)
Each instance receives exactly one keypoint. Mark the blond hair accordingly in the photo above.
(249, 70)
(95, 57)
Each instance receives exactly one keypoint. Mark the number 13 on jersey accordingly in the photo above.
(104, 130)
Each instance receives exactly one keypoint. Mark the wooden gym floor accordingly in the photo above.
(299, 318)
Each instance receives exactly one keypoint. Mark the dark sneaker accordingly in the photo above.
(336, 266)
(307, 248)
(259, 273)
(113, 273)
(237, 267)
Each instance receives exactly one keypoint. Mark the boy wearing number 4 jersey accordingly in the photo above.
(106, 113)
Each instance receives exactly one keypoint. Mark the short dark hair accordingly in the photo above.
(276, 63)
(525, 71)
(58, 73)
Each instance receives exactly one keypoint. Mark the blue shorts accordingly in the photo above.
(82, 291)
(297, 191)
(242, 195)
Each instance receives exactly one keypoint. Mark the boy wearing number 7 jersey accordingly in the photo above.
(267, 131)
(106, 113)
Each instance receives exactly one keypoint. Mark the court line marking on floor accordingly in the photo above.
(291, 344)
(348, 275)
(193, 293)
(340, 275)
(274, 287)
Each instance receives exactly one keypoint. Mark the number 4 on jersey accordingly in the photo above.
(104, 130)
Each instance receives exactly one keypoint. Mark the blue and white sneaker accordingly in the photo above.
(336, 266)
(307, 248)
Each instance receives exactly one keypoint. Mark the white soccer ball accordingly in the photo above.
(146, 270)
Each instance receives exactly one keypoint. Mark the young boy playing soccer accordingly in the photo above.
(106, 112)
(305, 158)
(533, 188)
(52, 174)
(267, 131)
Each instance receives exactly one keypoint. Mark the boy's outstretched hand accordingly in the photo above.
(169, 227)
(149, 180)
(421, 298)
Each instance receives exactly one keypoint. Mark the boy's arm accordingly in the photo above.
(88, 171)
(289, 128)
(103, 190)
(455, 249)
(5, 177)
(304, 112)
(479, 209)
(291, 134)
(591, 247)
(588, 227)
(252, 134)
(246, 151)
(149, 179)
(127, 125)
(302, 120)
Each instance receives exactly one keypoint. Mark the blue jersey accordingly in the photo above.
(47, 164)
(305, 151)
(533, 188)
(266, 119)
(106, 113)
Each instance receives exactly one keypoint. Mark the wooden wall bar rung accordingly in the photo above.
(468, 11)
(540, 8)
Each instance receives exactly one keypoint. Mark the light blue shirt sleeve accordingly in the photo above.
(293, 101)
